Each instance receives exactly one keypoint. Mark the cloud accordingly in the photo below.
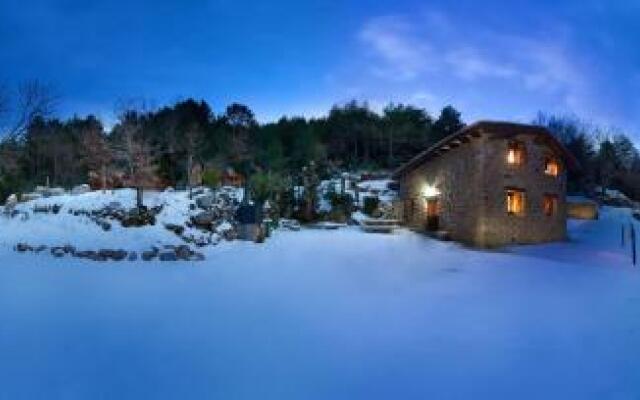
(394, 42)
(431, 47)
(470, 64)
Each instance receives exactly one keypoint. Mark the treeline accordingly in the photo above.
(164, 146)
(188, 143)
(607, 156)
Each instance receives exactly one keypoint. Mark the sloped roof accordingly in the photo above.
(495, 128)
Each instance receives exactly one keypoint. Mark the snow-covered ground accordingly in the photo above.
(321, 314)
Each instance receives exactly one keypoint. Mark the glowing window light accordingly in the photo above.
(551, 167)
(515, 153)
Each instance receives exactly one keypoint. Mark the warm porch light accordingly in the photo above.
(429, 191)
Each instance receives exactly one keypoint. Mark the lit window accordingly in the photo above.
(549, 204)
(515, 201)
(515, 153)
(551, 166)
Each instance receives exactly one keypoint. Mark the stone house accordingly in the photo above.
(489, 184)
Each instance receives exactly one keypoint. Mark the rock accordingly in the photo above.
(137, 217)
(85, 254)
(23, 247)
(177, 229)
(203, 220)
(149, 255)
(183, 252)
(205, 202)
(105, 226)
(58, 252)
(68, 249)
(168, 256)
(133, 256)
(10, 203)
(119, 255)
(47, 209)
(80, 189)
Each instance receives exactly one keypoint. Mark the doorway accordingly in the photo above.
(433, 214)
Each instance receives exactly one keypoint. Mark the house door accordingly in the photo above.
(433, 214)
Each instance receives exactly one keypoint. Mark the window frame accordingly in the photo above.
(548, 159)
(519, 150)
(523, 201)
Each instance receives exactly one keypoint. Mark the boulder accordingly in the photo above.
(177, 229)
(203, 220)
(58, 252)
(23, 247)
(183, 252)
(149, 255)
(205, 202)
(11, 202)
(168, 256)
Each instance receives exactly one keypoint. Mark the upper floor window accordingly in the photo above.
(515, 201)
(551, 166)
(516, 153)
(549, 204)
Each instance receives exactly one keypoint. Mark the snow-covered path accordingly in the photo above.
(329, 314)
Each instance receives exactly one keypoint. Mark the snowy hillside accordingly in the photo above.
(82, 231)
(318, 314)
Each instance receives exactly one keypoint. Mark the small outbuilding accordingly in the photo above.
(489, 184)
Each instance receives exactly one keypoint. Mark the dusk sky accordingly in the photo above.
(492, 60)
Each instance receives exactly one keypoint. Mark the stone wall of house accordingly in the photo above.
(473, 179)
(457, 174)
(532, 226)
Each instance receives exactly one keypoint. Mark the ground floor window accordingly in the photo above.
(515, 201)
(549, 204)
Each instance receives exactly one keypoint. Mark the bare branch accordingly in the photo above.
(34, 100)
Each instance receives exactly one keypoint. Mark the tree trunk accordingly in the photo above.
(390, 147)
(139, 194)
(104, 178)
(189, 168)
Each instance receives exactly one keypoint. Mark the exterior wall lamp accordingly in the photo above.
(430, 191)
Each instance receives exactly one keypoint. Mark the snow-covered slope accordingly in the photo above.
(326, 314)
(80, 231)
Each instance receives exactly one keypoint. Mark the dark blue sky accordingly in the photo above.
(491, 59)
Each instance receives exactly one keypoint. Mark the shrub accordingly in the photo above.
(211, 177)
(370, 204)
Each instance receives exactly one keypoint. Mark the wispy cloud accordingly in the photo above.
(405, 49)
(395, 42)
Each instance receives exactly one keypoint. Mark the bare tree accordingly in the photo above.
(98, 155)
(192, 142)
(136, 152)
(34, 100)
